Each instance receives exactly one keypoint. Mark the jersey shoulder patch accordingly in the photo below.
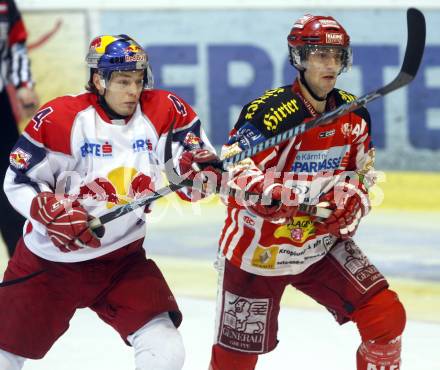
(344, 97)
(52, 124)
(275, 111)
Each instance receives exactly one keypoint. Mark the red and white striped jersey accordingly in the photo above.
(310, 163)
(71, 147)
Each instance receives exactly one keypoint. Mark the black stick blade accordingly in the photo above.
(415, 46)
(416, 41)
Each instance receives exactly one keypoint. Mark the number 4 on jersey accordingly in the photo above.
(178, 105)
(40, 116)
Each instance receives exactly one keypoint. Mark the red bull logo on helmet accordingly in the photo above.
(20, 159)
(133, 49)
(96, 43)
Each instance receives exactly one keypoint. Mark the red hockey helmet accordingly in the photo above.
(310, 33)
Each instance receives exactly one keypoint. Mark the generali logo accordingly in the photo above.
(334, 38)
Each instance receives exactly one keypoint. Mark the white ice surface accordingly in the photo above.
(309, 340)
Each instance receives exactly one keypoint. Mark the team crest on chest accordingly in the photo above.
(346, 129)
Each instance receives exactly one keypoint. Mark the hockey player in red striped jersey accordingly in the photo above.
(266, 246)
(78, 157)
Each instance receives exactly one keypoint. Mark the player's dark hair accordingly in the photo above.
(90, 85)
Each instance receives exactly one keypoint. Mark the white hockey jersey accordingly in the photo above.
(71, 147)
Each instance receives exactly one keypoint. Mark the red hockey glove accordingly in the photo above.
(65, 221)
(349, 204)
(196, 165)
(276, 202)
(141, 187)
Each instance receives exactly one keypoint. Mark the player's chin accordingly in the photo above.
(127, 110)
(328, 84)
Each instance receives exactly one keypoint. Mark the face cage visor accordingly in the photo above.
(299, 55)
(148, 80)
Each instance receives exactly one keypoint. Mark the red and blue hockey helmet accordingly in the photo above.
(108, 54)
(312, 33)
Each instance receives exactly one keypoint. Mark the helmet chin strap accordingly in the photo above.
(306, 85)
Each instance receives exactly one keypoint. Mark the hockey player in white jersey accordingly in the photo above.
(79, 157)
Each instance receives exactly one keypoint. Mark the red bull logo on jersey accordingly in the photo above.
(192, 141)
(20, 159)
(313, 161)
(104, 149)
(120, 186)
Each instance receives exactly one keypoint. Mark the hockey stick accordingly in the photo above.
(411, 62)
(179, 182)
(97, 224)
(413, 56)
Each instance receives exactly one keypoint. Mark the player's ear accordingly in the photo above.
(97, 81)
